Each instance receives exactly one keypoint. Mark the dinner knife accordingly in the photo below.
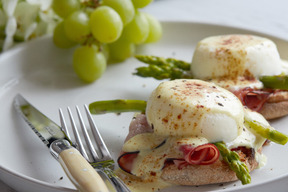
(80, 172)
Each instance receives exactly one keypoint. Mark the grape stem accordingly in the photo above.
(90, 40)
(92, 3)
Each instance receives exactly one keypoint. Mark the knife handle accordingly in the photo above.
(79, 171)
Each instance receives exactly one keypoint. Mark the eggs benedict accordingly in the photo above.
(236, 62)
(248, 66)
(180, 137)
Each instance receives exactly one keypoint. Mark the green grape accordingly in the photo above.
(59, 37)
(106, 24)
(64, 8)
(124, 8)
(89, 63)
(138, 29)
(121, 49)
(155, 29)
(141, 3)
(77, 26)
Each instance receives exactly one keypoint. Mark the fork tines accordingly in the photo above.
(100, 159)
(102, 153)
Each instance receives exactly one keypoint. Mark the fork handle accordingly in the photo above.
(80, 172)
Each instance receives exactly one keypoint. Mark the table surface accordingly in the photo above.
(266, 16)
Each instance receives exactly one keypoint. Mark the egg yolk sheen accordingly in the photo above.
(195, 108)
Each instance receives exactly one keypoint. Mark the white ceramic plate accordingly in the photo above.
(43, 74)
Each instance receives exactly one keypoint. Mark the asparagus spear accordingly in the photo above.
(233, 160)
(169, 68)
(117, 106)
(121, 105)
(275, 82)
(267, 132)
(164, 61)
(162, 68)
(231, 157)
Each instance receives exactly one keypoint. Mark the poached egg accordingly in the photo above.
(235, 55)
(236, 60)
(195, 108)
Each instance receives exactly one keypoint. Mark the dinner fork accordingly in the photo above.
(99, 158)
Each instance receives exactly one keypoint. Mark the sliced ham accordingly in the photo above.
(200, 155)
(138, 125)
(270, 103)
(253, 99)
(125, 161)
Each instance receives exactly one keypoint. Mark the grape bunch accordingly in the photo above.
(102, 31)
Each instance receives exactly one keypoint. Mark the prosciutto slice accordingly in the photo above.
(201, 155)
(253, 99)
(125, 161)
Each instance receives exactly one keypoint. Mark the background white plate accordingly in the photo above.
(43, 74)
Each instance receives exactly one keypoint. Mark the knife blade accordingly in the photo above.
(76, 167)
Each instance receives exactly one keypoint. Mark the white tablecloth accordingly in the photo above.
(268, 16)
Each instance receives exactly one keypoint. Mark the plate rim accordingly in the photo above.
(20, 46)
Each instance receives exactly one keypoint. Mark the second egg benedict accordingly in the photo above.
(247, 65)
